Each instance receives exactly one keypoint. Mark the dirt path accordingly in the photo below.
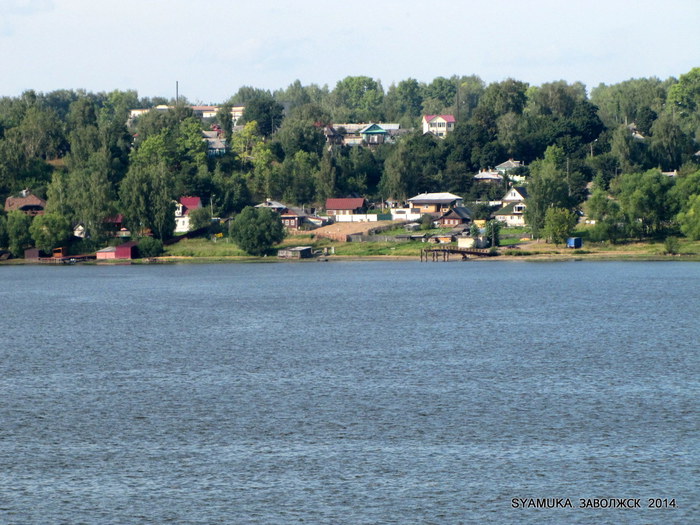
(339, 231)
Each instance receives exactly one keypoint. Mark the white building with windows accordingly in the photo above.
(438, 125)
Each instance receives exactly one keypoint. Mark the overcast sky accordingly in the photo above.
(212, 47)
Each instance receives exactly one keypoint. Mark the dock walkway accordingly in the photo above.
(443, 253)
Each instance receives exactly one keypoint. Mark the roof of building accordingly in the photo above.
(446, 118)
(520, 189)
(510, 209)
(460, 212)
(128, 244)
(28, 199)
(345, 204)
(115, 219)
(373, 129)
(273, 205)
(190, 203)
(294, 212)
(509, 164)
(488, 175)
(434, 198)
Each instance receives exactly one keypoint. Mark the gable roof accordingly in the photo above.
(488, 175)
(509, 164)
(510, 209)
(345, 204)
(17, 203)
(190, 203)
(434, 198)
(373, 129)
(460, 212)
(521, 190)
(273, 205)
(446, 118)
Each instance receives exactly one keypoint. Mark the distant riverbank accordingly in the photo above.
(207, 251)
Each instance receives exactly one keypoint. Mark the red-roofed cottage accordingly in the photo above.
(438, 125)
(182, 213)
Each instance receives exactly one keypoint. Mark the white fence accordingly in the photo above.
(370, 217)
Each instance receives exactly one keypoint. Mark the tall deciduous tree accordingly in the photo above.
(546, 189)
(689, 218)
(147, 200)
(256, 230)
(49, 231)
(266, 111)
(559, 224)
(91, 198)
(361, 96)
(18, 236)
(645, 201)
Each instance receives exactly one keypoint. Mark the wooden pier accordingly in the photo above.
(68, 259)
(442, 253)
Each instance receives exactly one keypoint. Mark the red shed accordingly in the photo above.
(128, 250)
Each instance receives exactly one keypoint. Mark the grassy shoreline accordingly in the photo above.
(204, 251)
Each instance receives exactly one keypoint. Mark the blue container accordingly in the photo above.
(574, 242)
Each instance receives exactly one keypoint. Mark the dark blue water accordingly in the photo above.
(355, 392)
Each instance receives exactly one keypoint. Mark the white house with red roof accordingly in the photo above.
(438, 125)
(182, 212)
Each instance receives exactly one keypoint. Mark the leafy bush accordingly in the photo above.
(199, 218)
(426, 222)
(672, 246)
(150, 247)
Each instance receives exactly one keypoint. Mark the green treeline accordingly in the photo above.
(601, 152)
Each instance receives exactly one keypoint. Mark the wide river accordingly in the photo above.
(350, 393)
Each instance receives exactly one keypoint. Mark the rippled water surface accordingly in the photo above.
(349, 392)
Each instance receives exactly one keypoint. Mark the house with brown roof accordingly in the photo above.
(489, 177)
(292, 218)
(27, 203)
(455, 217)
(349, 206)
(434, 202)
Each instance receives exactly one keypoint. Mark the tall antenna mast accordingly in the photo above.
(177, 93)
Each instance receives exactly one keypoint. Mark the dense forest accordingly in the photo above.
(602, 152)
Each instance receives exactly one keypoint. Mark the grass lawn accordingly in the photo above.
(205, 248)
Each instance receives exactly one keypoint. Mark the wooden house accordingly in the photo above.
(27, 203)
(455, 217)
(292, 218)
(350, 206)
(434, 202)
